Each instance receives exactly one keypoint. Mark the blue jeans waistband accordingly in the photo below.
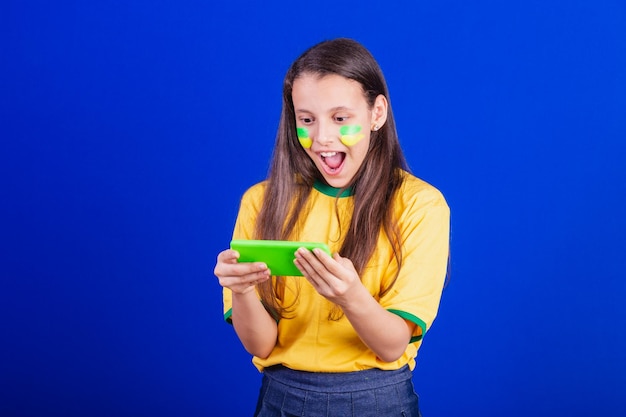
(337, 382)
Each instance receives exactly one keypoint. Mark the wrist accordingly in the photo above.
(245, 295)
(358, 300)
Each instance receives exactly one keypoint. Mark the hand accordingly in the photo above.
(240, 278)
(334, 277)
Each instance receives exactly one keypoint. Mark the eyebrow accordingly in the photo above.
(334, 109)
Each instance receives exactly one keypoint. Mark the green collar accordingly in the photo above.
(331, 191)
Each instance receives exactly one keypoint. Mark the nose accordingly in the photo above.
(325, 134)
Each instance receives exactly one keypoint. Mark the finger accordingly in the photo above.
(324, 258)
(328, 267)
(238, 282)
(250, 270)
(309, 261)
(241, 269)
(338, 266)
(341, 262)
(315, 272)
(312, 276)
(304, 266)
(228, 255)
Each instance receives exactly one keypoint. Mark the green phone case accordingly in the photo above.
(278, 255)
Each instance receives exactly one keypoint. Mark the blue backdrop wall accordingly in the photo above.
(129, 131)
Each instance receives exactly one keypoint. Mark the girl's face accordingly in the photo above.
(334, 123)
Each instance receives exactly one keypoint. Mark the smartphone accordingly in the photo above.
(278, 255)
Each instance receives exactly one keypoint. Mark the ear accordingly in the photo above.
(379, 112)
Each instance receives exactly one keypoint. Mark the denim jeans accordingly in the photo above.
(368, 393)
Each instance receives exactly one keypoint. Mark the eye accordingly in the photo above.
(306, 120)
(341, 119)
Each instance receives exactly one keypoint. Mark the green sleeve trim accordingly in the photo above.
(229, 319)
(414, 319)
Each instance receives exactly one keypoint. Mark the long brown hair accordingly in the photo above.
(292, 173)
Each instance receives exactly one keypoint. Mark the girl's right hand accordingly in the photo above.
(241, 277)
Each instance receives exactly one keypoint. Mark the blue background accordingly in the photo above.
(129, 131)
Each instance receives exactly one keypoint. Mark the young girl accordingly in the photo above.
(341, 340)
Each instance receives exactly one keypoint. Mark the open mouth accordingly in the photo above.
(332, 161)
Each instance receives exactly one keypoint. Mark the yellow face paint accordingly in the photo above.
(303, 137)
(350, 134)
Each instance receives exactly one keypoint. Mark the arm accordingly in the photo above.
(254, 326)
(385, 333)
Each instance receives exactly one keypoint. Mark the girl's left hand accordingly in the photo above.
(332, 277)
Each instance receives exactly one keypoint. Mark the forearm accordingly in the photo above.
(385, 333)
(254, 326)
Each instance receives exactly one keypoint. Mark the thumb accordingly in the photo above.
(342, 261)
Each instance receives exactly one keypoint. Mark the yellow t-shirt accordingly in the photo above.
(307, 339)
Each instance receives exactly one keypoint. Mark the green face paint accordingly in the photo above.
(303, 137)
(351, 134)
